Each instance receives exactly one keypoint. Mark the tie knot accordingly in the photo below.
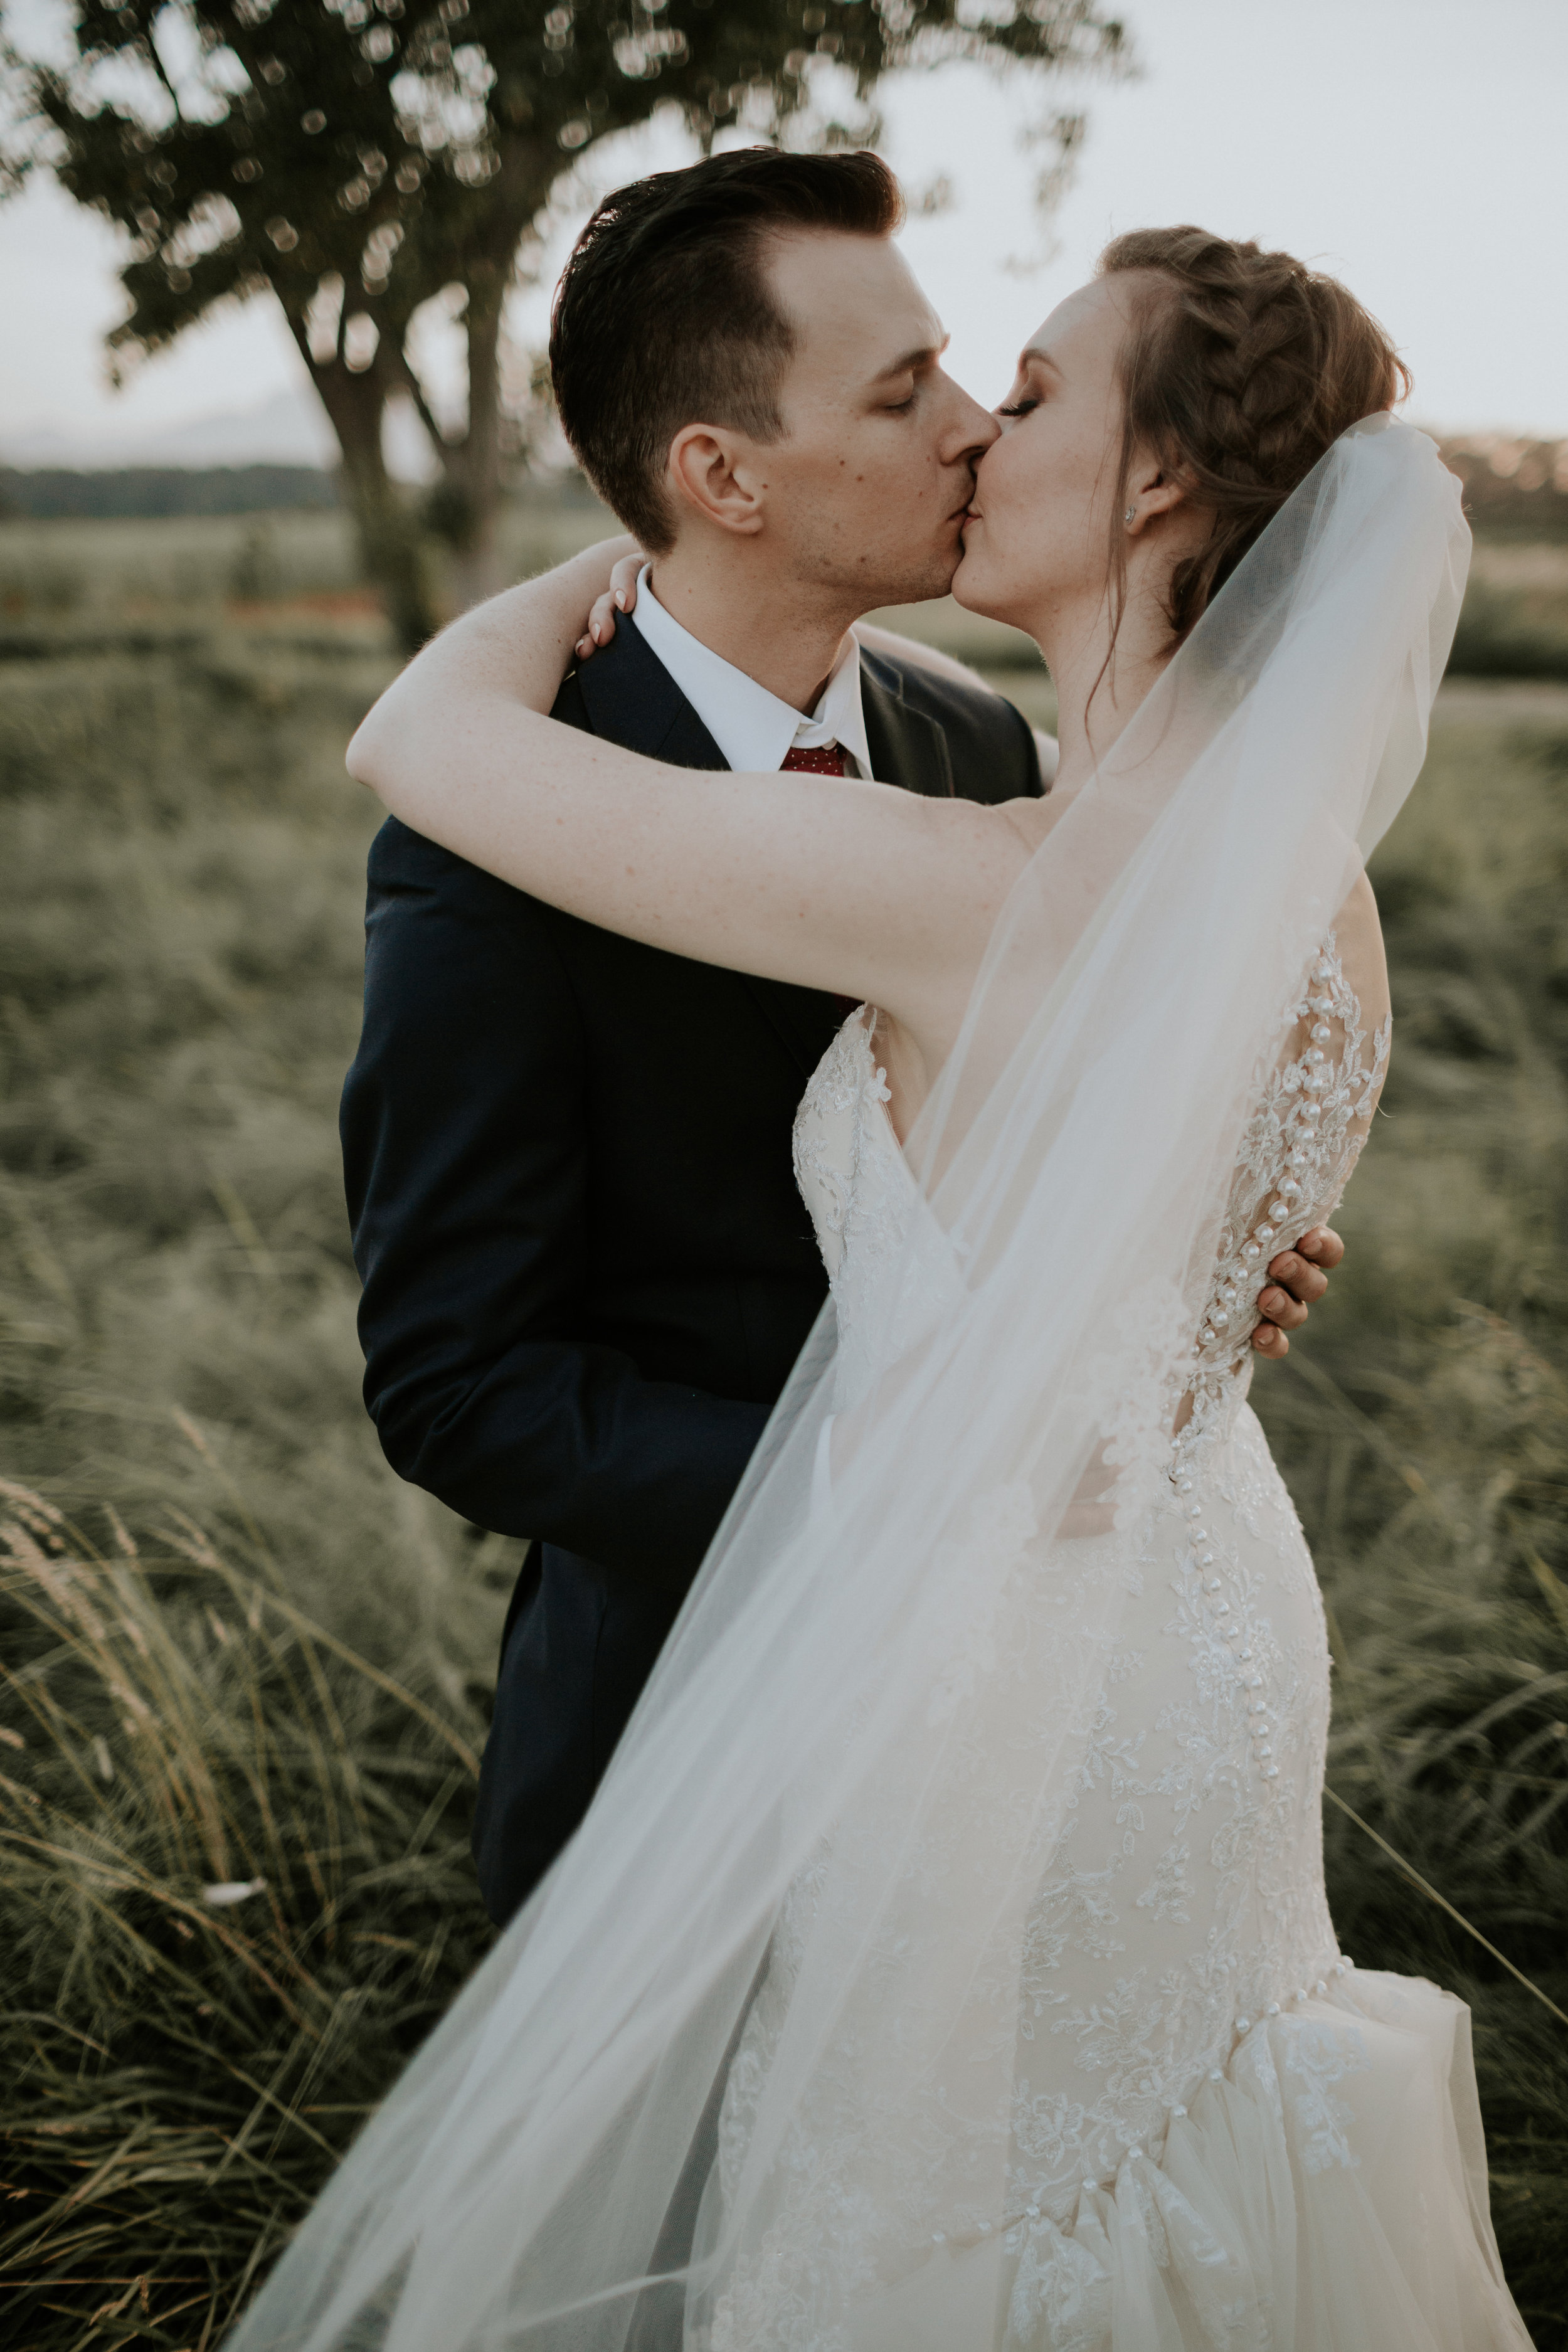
(823, 759)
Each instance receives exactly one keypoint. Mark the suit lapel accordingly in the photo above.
(631, 699)
(906, 746)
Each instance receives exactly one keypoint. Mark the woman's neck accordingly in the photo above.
(1099, 681)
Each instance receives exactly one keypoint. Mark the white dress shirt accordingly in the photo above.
(751, 727)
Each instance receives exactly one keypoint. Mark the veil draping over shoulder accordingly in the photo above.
(861, 1746)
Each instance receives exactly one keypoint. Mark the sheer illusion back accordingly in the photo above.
(892, 1270)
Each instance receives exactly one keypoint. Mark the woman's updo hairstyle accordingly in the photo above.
(1241, 369)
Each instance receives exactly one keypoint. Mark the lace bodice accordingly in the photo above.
(887, 1258)
(1309, 1117)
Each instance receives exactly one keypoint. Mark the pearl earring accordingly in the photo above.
(1128, 515)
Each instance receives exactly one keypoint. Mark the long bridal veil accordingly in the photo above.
(861, 1744)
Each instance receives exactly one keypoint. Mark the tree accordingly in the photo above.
(358, 157)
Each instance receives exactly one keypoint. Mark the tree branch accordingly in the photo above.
(158, 67)
(400, 367)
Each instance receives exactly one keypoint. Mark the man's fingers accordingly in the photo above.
(1297, 1280)
(1302, 1281)
(1281, 1309)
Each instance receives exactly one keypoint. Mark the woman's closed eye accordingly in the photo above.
(1018, 407)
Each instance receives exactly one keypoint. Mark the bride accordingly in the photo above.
(945, 1965)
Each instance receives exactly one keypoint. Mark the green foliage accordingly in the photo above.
(1498, 638)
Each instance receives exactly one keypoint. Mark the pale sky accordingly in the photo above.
(1414, 147)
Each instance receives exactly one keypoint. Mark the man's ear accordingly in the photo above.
(710, 471)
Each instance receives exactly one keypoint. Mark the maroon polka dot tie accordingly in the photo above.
(828, 761)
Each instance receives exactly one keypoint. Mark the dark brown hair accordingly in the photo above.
(663, 317)
(1242, 368)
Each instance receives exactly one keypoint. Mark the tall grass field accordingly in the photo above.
(244, 1671)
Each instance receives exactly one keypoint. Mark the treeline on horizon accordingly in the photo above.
(144, 493)
(1514, 488)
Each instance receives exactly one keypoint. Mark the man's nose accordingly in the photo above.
(970, 431)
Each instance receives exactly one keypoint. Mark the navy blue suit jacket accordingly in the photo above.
(586, 1268)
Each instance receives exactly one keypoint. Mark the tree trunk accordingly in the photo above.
(391, 538)
(475, 565)
(392, 551)
(529, 166)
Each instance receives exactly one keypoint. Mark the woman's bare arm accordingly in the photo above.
(829, 883)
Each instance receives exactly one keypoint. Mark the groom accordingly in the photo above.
(587, 1268)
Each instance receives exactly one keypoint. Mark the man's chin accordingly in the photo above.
(921, 584)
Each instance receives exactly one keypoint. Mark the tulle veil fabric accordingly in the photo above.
(885, 1697)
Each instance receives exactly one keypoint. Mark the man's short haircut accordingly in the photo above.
(663, 317)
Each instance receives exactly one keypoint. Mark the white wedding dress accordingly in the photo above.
(1222, 2132)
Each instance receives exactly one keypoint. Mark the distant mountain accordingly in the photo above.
(287, 430)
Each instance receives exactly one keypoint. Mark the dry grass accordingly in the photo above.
(236, 1895)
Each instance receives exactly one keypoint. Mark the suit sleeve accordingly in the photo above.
(465, 1157)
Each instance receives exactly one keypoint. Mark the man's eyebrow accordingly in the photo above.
(915, 359)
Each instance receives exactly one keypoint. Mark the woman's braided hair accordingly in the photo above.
(1242, 368)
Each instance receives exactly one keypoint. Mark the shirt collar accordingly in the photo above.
(751, 727)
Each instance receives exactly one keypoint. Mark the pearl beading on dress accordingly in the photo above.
(1299, 1148)
(1301, 1141)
